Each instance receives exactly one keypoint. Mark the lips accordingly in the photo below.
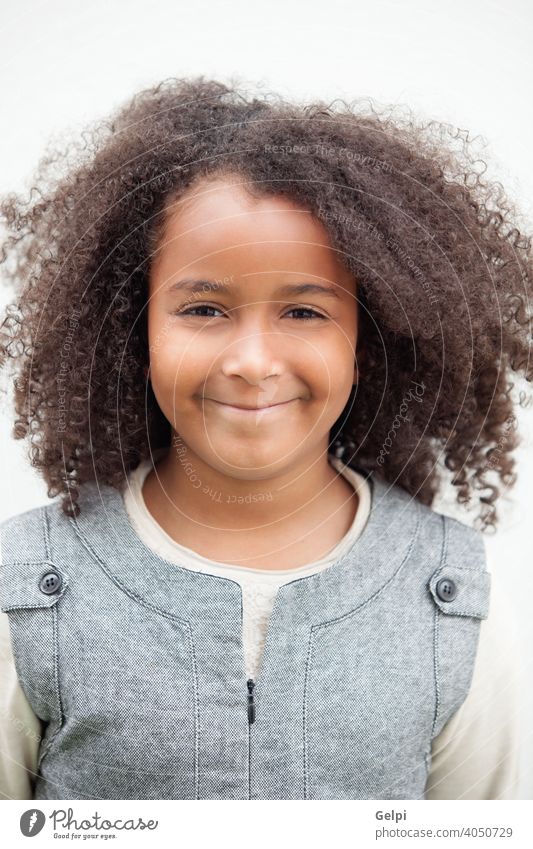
(244, 407)
(251, 414)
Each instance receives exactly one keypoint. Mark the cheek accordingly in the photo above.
(337, 375)
(332, 365)
(177, 366)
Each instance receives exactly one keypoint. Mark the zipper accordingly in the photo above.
(251, 704)
(251, 718)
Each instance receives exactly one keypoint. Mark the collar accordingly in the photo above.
(376, 556)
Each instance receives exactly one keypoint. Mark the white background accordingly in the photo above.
(63, 64)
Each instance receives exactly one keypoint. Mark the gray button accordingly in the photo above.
(446, 589)
(50, 583)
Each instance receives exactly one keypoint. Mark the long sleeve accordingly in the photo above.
(20, 729)
(477, 753)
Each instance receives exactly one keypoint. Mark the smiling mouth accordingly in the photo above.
(251, 409)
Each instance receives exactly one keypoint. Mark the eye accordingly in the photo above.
(192, 311)
(315, 314)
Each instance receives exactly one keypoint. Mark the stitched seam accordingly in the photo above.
(436, 670)
(46, 533)
(380, 589)
(147, 550)
(55, 640)
(118, 583)
(304, 716)
(48, 552)
(26, 606)
(57, 691)
(473, 613)
(29, 562)
(196, 699)
(56, 670)
(436, 629)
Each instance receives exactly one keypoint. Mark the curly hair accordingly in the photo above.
(442, 265)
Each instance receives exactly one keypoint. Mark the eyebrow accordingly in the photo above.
(205, 286)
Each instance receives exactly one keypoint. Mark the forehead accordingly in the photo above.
(219, 223)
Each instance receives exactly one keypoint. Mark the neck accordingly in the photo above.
(207, 495)
(301, 512)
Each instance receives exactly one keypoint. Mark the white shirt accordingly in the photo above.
(477, 753)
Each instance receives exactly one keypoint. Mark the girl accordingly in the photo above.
(253, 339)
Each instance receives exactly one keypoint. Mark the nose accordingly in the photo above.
(254, 356)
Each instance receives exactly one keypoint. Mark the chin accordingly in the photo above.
(248, 465)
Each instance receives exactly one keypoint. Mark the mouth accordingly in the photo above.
(249, 411)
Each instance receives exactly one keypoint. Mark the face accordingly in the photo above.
(252, 328)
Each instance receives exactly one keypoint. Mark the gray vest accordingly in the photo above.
(136, 665)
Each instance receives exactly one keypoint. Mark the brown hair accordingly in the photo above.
(443, 272)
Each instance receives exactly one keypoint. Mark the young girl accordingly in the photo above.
(252, 340)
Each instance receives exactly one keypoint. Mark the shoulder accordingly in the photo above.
(23, 535)
(43, 539)
(28, 537)
(92, 500)
(455, 539)
(19, 520)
